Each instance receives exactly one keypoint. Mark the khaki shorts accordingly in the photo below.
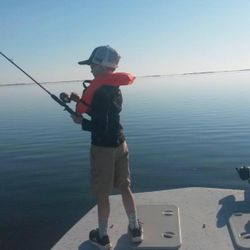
(109, 168)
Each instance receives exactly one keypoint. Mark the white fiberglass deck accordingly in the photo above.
(204, 217)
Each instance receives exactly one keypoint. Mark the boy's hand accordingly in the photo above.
(74, 97)
(77, 119)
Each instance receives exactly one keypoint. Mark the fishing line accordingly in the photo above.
(54, 97)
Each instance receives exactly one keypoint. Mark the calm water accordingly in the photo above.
(182, 131)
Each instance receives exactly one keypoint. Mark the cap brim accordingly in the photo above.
(86, 62)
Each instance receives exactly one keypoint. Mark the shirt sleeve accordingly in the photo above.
(86, 125)
(100, 111)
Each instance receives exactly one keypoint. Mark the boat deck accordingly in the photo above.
(204, 219)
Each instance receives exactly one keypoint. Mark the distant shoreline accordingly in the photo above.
(199, 73)
(29, 83)
(144, 76)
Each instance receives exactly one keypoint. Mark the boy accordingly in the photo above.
(102, 100)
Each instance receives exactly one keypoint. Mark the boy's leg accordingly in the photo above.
(102, 165)
(134, 227)
(99, 237)
(102, 175)
(129, 205)
(103, 207)
(122, 181)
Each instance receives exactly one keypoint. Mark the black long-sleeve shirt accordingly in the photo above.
(105, 127)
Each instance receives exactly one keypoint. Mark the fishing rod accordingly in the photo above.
(54, 97)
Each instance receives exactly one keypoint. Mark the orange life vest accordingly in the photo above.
(110, 79)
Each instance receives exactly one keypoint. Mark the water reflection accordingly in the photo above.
(182, 131)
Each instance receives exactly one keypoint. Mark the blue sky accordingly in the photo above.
(48, 38)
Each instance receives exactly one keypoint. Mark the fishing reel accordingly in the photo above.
(67, 99)
(73, 96)
(244, 173)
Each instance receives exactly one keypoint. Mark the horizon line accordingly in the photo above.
(142, 76)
